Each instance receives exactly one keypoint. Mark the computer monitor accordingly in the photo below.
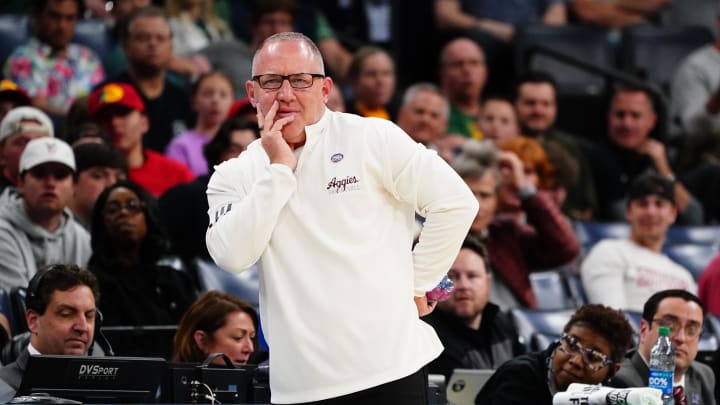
(94, 379)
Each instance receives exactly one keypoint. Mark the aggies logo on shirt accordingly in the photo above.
(341, 185)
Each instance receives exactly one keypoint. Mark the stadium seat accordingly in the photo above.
(586, 43)
(550, 290)
(529, 322)
(653, 53)
(577, 291)
(634, 318)
(589, 233)
(14, 31)
(94, 34)
(704, 235)
(693, 257)
(243, 285)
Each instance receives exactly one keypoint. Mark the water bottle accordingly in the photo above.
(662, 365)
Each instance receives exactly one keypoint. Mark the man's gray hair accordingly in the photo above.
(476, 158)
(291, 37)
(426, 87)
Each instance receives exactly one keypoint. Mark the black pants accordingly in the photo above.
(410, 390)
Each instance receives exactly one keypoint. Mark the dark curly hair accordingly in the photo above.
(607, 322)
(155, 245)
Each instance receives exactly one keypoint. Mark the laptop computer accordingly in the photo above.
(465, 384)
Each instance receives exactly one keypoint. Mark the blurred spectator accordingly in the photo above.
(50, 68)
(243, 108)
(498, 19)
(212, 97)
(545, 240)
(20, 126)
(336, 100)
(628, 152)
(566, 173)
(462, 79)
(537, 169)
(449, 146)
(709, 285)
(680, 311)
(474, 331)
(589, 351)
(617, 13)
(216, 323)
(536, 106)
(183, 208)
(360, 21)
(115, 61)
(203, 38)
(194, 25)
(270, 17)
(38, 229)
(98, 166)
(11, 96)
(119, 111)
(695, 89)
(624, 273)
(128, 242)
(492, 25)
(498, 120)
(424, 113)
(371, 76)
(147, 44)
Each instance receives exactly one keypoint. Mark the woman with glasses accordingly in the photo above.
(589, 351)
(127, 243)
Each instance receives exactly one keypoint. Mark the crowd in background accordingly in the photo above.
(106, 153)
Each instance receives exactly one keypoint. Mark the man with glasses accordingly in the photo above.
(326, 201)
(682, 312)
(39, 229)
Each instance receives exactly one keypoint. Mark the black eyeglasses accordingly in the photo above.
(593, 359)
(692, 329)
(297, 80)
(113, 208)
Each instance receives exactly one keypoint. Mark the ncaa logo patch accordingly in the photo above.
(336, 157)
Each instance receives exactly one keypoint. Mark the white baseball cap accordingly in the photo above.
(13, 122)
(45, 150)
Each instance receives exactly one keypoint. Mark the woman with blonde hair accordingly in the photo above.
(216, 323)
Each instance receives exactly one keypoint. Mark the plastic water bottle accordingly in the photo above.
(662, 365)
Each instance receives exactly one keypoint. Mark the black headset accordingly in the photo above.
(32, 296)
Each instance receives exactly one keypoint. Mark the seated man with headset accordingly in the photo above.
(61, 304)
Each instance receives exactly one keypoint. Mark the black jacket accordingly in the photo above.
(486, 348)
(521, 381)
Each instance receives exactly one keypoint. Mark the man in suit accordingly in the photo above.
(682, 312)
(61, 306)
